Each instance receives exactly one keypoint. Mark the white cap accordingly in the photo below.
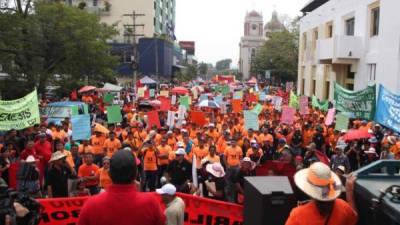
(180, 144)
(180, 151)
(343, 131)
(253, 142)
(167, 189)
(211, 125)
(169, 132)
(184, 131)
(30, 159)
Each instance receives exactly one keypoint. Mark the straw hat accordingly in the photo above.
(215, 169)
(57, 156)
(319, 182)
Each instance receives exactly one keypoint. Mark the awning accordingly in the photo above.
(147, 80)
(111, 88)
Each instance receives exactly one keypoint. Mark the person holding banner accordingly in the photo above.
(58, 175)
(121, 203)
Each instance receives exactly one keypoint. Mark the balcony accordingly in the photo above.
(340, 49)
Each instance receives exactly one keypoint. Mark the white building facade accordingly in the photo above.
(252, 40)
(352, 42)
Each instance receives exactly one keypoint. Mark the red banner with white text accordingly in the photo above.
(65, 211)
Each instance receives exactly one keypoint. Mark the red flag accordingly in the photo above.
(74, 95)
(252, 98)
(153, 119)
(322, 157)
(147, 94)
(165, 104)
(198, 118)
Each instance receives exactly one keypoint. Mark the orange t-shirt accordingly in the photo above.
(200, 154)
(133, 143)
(308, 214)
(104, 178)
(61, 135)
(214, 159)
(97, 144)
(233, 156)
(149, 160)
(166, 150)
(69, 158)
(307, 137)
(112, 146)
(88, 171)
(85, 149)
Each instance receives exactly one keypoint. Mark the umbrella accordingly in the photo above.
(356, 134)
(100, 128)
(86, 89)
(209, 104)
(180, 90)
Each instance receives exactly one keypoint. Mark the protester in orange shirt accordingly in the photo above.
(254, 153)
(111, 145)
(324, 187)
(85, 147)
(212, 157)
(103, 174)
(149, 153)
(132, 142)
(164, 152)
(233, 155)
(59, 134)
(87, 172)
(200, 152)
(97, 142)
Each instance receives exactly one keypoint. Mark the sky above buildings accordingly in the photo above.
(217, 25)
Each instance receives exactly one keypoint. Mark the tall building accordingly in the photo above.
(352, 42)
(159, 18)
(252, 40)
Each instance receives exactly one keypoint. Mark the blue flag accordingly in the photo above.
(388, 109)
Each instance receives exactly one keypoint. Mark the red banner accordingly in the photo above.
(153, 119)
(165, 104)
(198, 118)
(65, 211)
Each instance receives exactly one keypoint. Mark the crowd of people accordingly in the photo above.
(222, 152)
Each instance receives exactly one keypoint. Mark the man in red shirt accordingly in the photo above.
(121, 203)
(43, 150)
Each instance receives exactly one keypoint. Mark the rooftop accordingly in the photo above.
(312, 5)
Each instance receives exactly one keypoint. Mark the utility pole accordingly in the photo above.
(135, 58)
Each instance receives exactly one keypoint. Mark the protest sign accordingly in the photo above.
(330, 117)
(173, 100)
(250, 120)
(277, 101)
(74, 110)
(223, 107)
(219, 99)
(342, 122)
(81, 129)
(164, 93)
(225, 90)
(198, 118)
(262, 97)
(236, 105)
(108, 98)
(252, 98)
(288, 115)
(303, 102)
(152, 92)
(146, 94)
(320, 105)
(360, 103)
(61, 211)
(19, 113)
(203, 97)
(388, 109)
(171, 119)
(165, 104)
(141, 91)
(114, 114)
(257, 109)
(184, 100)
(238, 95)
(153, 119)
(294, 100)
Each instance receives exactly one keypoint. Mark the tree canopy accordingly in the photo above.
(279, 54)
(52, 44)
(224, 64)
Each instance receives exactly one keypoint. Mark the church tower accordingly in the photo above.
(251, 41)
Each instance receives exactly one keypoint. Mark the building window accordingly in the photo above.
(253, 52)
(95, 2)
(350, 87)
(314, 84)
(304, 41)
(303, 86)
(327, 89)
(155, 6)
(350, 75)
(375, 13)
(372, 72)
(329, 30)
(350, 27)
(254, 26)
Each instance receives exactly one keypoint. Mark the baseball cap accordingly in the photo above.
(180, 151)
(167, 189)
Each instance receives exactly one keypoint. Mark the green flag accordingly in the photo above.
(257, 109)
(114, 114)
(108, 98)
(225, 90)
(294, 100)
(20, 113)
(361, 103)
(342, 122)
(320, 105)
(184, 100)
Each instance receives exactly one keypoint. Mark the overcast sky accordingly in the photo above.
(217, 25)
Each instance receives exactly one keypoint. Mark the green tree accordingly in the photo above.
(224, 64)
(53, 39)
(279, 54)
(203, 68)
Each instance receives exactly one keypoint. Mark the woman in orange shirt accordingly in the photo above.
(103, 175)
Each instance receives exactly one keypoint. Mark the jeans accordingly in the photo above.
(150, 178)
(161, 170)
(230, 189)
